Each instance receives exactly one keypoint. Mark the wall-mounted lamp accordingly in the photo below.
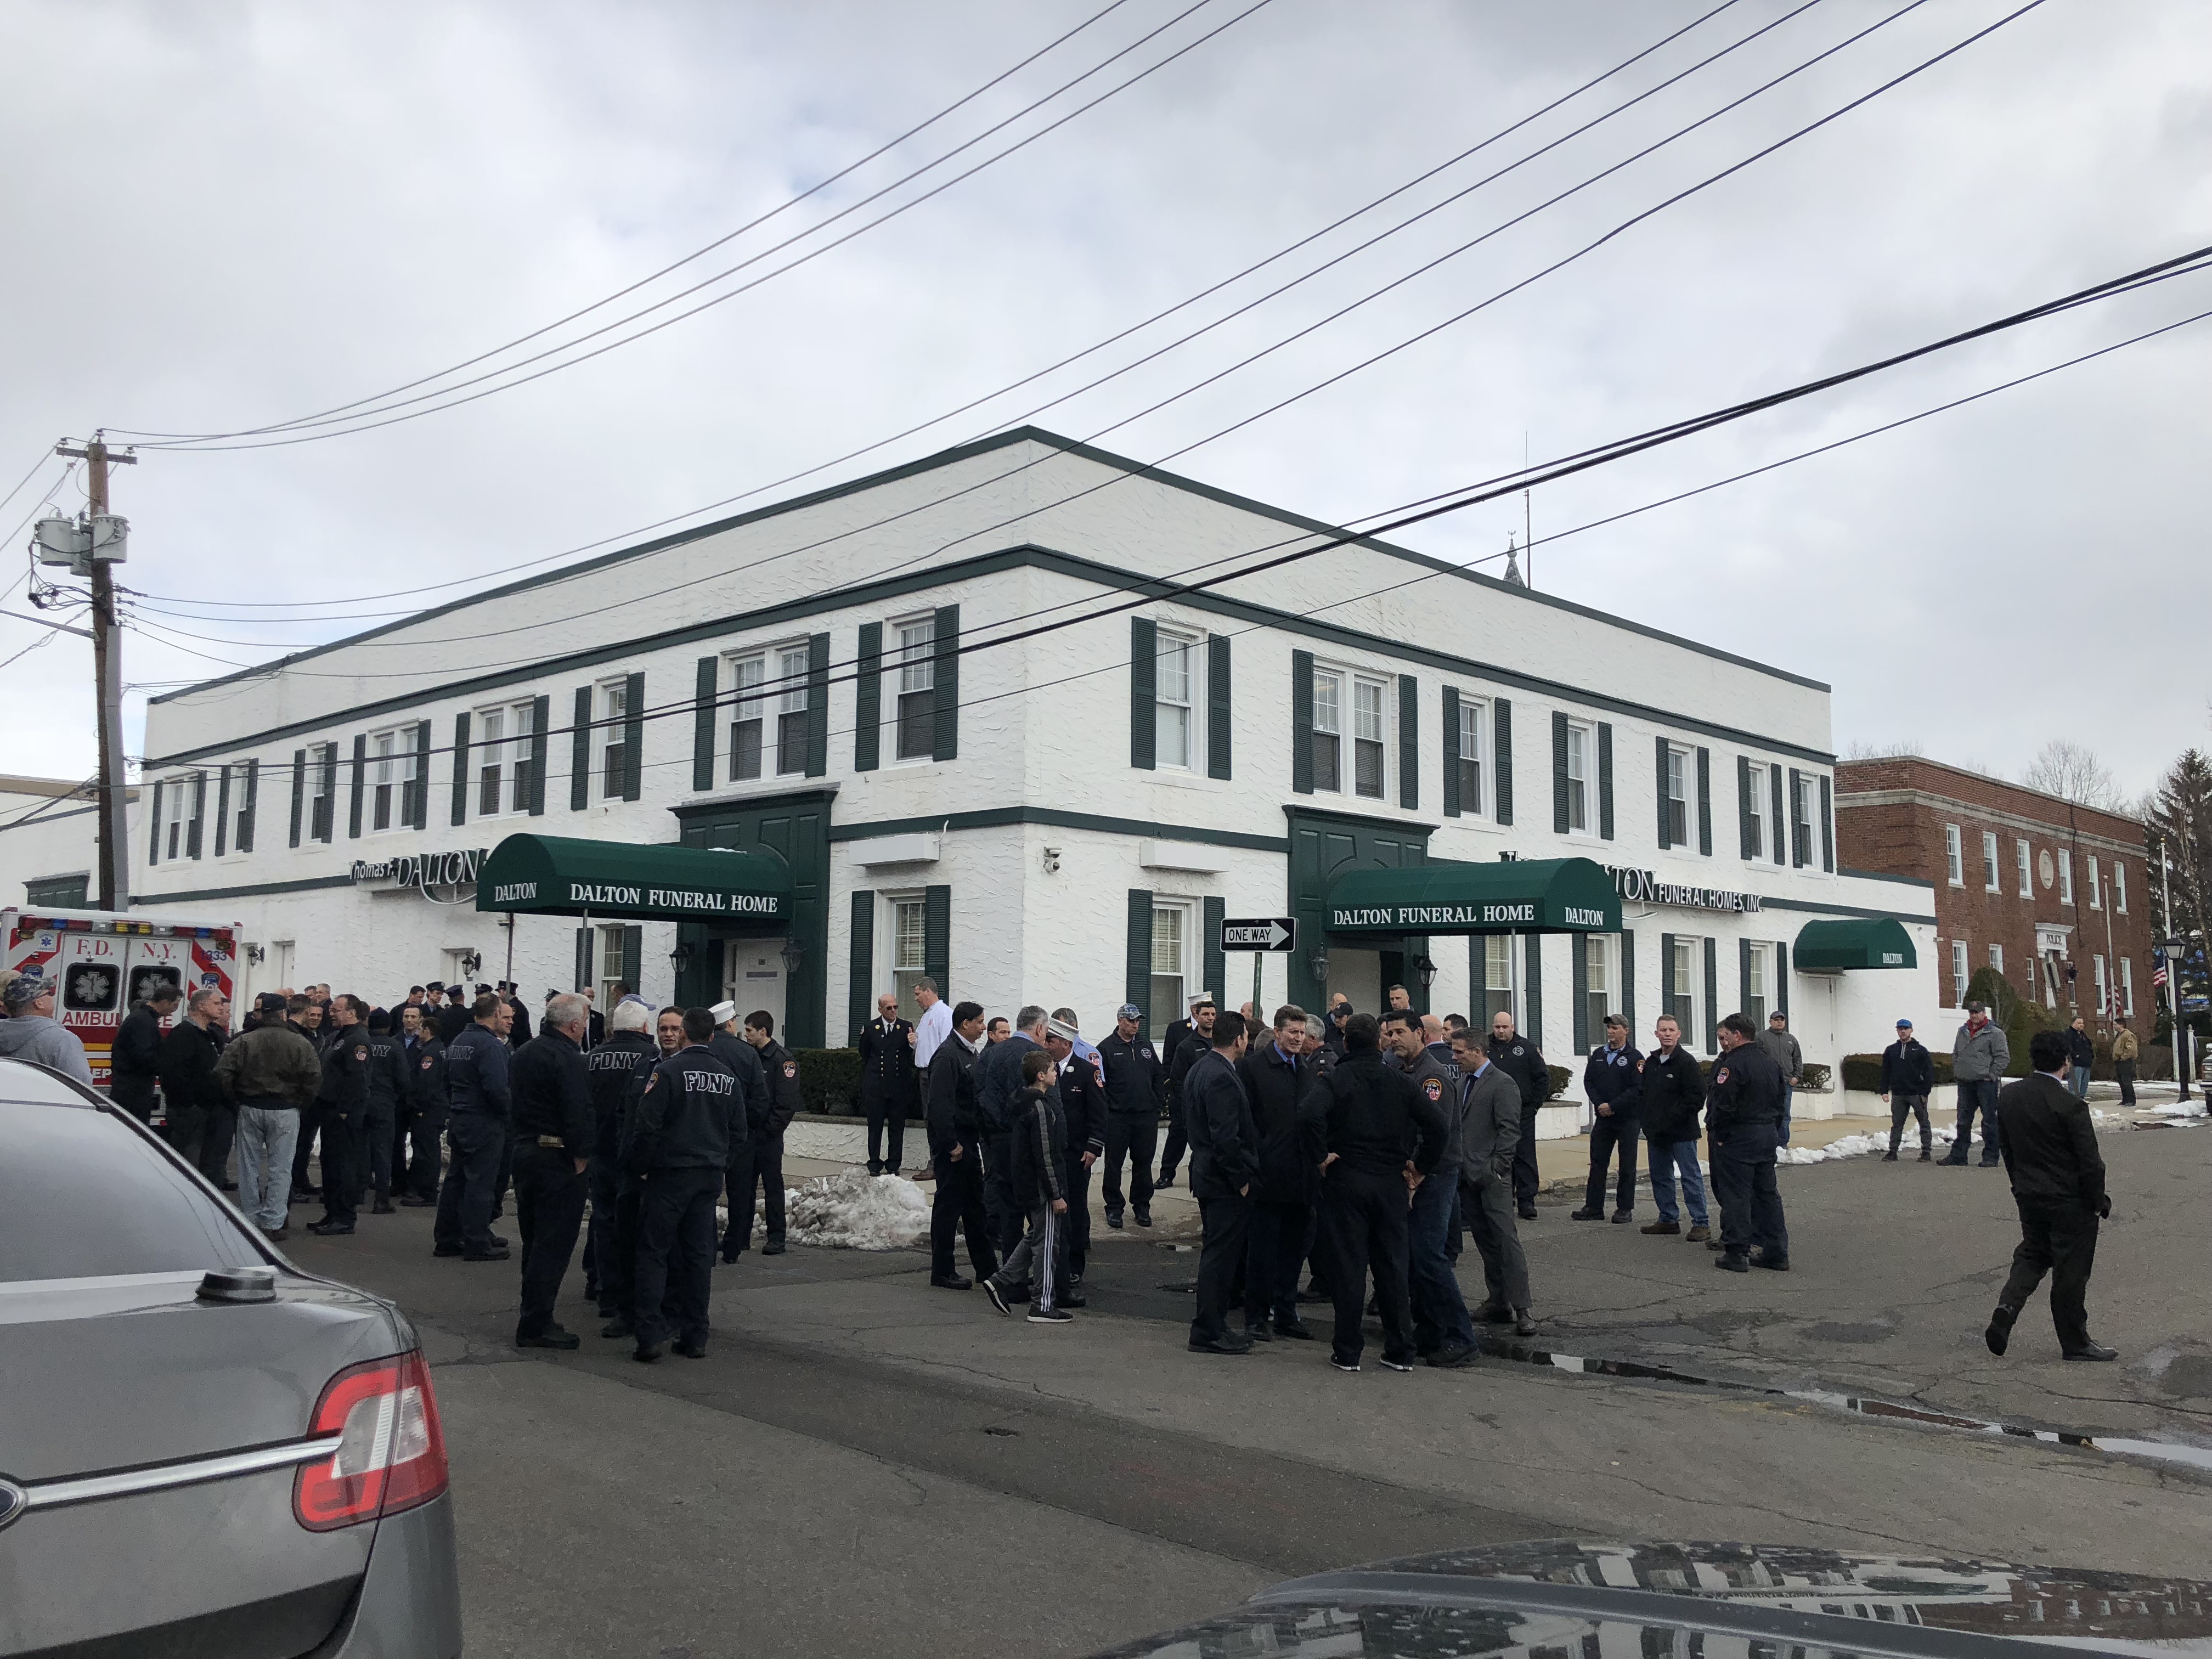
(1318, 963)
(471, 965)
(680, 957)
(1426, 969)
(794, 953)
(256, 954)
(1052, 860)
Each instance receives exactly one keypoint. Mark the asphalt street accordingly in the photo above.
(864, 1464)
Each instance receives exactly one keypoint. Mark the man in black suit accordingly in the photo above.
(888, 1083)
(2050, 1151)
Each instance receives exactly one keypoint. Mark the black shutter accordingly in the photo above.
(1502, 753)
(1659, 759)
(859, 972)
(1559, 773)
(1605, 781)
(1216, 963)
(154, 847)
(633, 967)
(706, 682)
(817, 705)
(1796, 839)
(1666, 980)
(947, 695)
(1780, 818)
(1137, 979)
(299, 791)
(419, 818)
(1451, 752)
(1143, 693)
(1712, 995)
(198, 817)
(583, 958)
(1743, 972)
(461, 808)
(633, 780)
(1301, 722)
(541, 751)
(580, 752)
(1628, 980)
(221, 807)
(1743, 788)
(1705, 802)
(1409, 743)
(868, 703)
(360, 784)
(1532, 988)
(1827, 825)
(246, 811)
(1578, 961)
(1782, 976)
(936, 938)
(1219, 737)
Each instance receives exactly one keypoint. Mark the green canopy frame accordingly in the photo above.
(1514, 895)
(557, 875)
(1848, 943)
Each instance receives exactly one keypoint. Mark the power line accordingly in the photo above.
(362, 424)
(1506, 484)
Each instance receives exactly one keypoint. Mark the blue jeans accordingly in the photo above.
(2081, 1081)
(1668, 1156)
(1977, 1094)
(1440, 1317)
(1782, 1131)
(266, 1129)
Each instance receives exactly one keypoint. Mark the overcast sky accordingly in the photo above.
(226, 215)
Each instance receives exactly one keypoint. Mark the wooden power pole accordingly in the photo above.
(114, 876)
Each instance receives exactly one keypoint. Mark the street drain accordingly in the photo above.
(2198, 1457)
(992, 1429)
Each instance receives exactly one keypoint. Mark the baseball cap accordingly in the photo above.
(27, 988)
(1128, 1011)
(1975, 1008)
(724, 1013)
(1904, 1025)
(272, 1002)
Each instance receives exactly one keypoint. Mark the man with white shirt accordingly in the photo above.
(932, 1029)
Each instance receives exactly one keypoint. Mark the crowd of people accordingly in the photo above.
(1353, 1151)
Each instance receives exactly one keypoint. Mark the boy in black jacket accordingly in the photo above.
(1038, 1145)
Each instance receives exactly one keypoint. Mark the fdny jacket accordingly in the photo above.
(1614, 1078)
(685, 1115)
(1746, 1090)
(553, 1093)
(614, 1069)
(475, 1072)
(1136, 1078)
(744, 1063)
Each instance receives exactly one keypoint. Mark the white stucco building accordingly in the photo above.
(855, 685)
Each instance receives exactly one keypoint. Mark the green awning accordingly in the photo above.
(1831, 947)
(552, 875)
(1517, 896)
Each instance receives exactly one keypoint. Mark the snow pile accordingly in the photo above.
(1846, 1146)
(856, 1211)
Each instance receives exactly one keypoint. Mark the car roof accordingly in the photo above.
(25, 1080)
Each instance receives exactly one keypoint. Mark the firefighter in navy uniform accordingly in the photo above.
(425, 1108)
(890, 1085)
(1083, 1112)
(1136, 1093)
(679, 1130)
(1743, 1114)
(554, 1131)
(616, 1069)
(1174, 1049)
(768, 1140)
(343, 1106)
(390, 1088)
(744, 1063)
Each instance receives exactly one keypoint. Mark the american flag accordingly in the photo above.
(2158, 974)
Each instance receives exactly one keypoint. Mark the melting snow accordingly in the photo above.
(1845, 1146)
(856, 1211)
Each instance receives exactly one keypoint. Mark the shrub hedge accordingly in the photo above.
(829, 1080)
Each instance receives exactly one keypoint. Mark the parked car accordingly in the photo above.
(1566, 1598)
(202, 1448)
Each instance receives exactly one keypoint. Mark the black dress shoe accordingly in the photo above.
(1493, 1313)
(330, 1228)
(952, 1282)
(774, 1247)
(1224, 1344)
(1580, 1215)
(413, 1203)
(1890, 1157)
(1297, 1329)
(1622, 1218)
(1257, 1330)
(500, 1254)
(383, 1207)
(1767, 1259)
(731, 1253)
(1731, 1261)
(1452, 1358)
(1144, 1218)
(691, 1350)
(1527, 1213)
(1164, 1181)
(646, 1354)
(553, 1336)
(1999, 1334)
(1114, 1219)
(1524, 1322)
(446, 1250)
(617, 1328)
(2094, 1351)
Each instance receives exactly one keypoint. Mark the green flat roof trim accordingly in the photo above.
(554, 875)
(1517, 896)
(1834, 947)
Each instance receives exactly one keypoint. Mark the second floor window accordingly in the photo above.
(322, 790)
(1172, 731)
(1954, 855)
(745, 725)
(613, 738)
(2120, 890)
(2025, 859)
(390, 778)
(1991, 881)
(1367, 729)
(2096, 889)
(1802, 823)
(2066, 877)
(503, 760)
(791, 712)
(1327, 731)
(917, 690)
(1754, 813)
(1677, 783)
(1578, 741)
(1470, 758)
(176, 814)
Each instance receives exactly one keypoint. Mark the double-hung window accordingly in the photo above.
(241, 809)
(2120, 889)
(2103, 996)
(1579, 741)
(1996, 958)
(791, 712)
(1958, 972)
(496, 791)
(1171, 961)
(2024, 858)
(1993, 881)
(1469, 748)
(1758, 978)
(2128, 987)
(746, 713)
(390, 776)
(322, 790)
(1954, 858)
(176, 815)
(1497, 977)
(1600, 953)
(1367, 739)
(2096, 888)
(1327, 731)
(1689, 973)
(1754, 811)
(2065, 878)
(1174, 729)
(612, 736)
(917, 688)
(1800, 827)
(1676, 784)
(909, 945)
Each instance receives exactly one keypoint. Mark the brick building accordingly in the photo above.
(2053, 896)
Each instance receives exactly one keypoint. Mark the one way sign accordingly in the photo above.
(1262, 933)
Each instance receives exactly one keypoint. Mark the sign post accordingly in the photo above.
(1259, 936)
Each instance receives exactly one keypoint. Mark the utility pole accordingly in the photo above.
(107, 676)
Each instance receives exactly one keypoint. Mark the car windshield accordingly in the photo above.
(82, 1196)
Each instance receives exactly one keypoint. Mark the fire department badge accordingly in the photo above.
(791, 1068)
(1720, 1076)
(1433, 1087)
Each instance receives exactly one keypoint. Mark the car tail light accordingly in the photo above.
(391, 1448)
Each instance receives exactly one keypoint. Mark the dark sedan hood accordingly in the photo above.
(1561, 1597)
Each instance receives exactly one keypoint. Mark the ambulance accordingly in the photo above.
(106, 964)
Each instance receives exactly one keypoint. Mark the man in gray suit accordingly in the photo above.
(1487, 1127)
